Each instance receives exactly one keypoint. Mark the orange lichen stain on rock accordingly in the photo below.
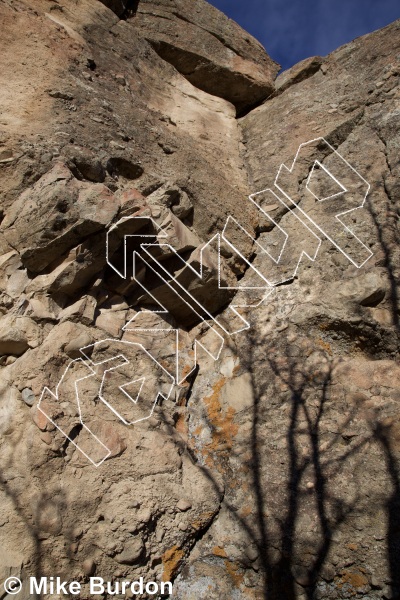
(171, 560)
(212, 402)
(197, 431)
(166, 364)
(234, 572)
(203, 520)
(236, 370)
(221, 421)
(325, 346)
(245, 511)
(354, 578)
(185, 371)
(181, 426)
(352, 546)
(218, 551)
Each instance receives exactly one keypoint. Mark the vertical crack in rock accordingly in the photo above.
(271, 468)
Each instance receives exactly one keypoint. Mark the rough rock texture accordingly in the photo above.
(271, 469)
(297, 73)
(209, 49)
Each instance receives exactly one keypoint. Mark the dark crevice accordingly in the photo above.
(302, 76)
(75, 431)
(214, 79)
(191, 380)
(385, 152)
(248, 109)
(131, 9)
(339, 135)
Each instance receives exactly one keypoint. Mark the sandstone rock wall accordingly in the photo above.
(209, 49)
(270, 470)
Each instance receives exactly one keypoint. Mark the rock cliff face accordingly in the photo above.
(209, 49)
(270, 469)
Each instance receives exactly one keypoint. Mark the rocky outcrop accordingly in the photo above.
(165, 413)
(56, 214)
(209, 49)
(312, 432)
(302, 70)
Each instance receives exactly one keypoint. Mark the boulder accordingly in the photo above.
(209, 49)
(55, 215)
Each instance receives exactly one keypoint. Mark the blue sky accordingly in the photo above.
(291, 30)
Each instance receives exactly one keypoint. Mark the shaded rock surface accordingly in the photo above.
(271, 469)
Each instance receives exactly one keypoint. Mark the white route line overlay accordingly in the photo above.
(56, 397)
(341, 214)
(93, 373)
(160, 233)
